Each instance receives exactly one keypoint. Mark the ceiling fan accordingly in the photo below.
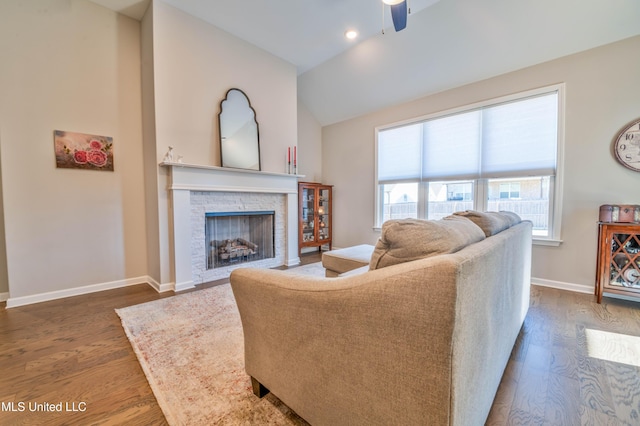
(399, 12)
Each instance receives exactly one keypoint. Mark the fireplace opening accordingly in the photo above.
(238, 237)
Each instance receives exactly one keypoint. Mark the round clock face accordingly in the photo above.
(627, 146)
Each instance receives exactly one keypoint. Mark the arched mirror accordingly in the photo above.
(239, 139)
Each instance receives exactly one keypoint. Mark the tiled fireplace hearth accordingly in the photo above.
(196, 191)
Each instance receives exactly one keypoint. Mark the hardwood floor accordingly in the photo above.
(554, 376)
(74, 351)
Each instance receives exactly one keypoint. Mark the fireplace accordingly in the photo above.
(233, 238)
(197, 190)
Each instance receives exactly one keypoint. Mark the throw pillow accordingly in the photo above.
(405, 240)
(490, 222)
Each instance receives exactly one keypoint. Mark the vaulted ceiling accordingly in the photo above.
(447, 43)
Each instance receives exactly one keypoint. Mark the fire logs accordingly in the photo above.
(233, 250)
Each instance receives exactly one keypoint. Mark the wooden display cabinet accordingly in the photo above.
(618, 269)
(314, 215)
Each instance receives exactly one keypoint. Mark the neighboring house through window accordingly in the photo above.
(503, 154)
(509, 190)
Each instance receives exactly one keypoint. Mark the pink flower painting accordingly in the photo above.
(82, 151)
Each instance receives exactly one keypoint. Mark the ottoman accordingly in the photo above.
(338, 261)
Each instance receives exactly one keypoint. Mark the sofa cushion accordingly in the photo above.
(490, 222)
(514, 218)
(405, 240)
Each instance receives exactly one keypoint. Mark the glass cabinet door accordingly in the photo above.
(324, 209)
(308, 215)
(624, 266)
(314, 216)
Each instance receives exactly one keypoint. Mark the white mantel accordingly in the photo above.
(185, 178)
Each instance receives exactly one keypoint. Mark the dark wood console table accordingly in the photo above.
(618, 269)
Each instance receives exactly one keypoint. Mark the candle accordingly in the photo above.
(289, 155)
(295, 155)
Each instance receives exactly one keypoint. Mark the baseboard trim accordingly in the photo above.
(13, 302)
(160, 288)
(560, 285)
(293, 261)
(186, 285)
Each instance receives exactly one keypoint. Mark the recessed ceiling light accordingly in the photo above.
(392, 2)
(351, 34)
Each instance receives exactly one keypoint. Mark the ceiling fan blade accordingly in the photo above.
(399, 15)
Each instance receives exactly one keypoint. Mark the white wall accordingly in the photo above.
(194, 64)
(149, 148)
(309, 145)
(74, 66)
(601, 96)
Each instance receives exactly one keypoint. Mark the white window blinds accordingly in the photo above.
(399, 153)
(520, 138)
(452, 146)
(517, 138)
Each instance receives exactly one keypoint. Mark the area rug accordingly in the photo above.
(191, 349)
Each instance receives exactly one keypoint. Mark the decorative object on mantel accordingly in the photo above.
(83, 151)
(168, 157)
(626, 146)
(292, 162)
(171, 158)
(238, 130)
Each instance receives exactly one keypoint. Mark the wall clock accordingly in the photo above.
(626, 145)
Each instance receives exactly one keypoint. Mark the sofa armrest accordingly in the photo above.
(383, 336)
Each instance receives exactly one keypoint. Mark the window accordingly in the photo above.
(444, 198)
(499, 155)
(400, 200)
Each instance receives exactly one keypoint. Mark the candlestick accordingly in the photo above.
(288, 164)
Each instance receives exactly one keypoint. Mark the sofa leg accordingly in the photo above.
(258, 389)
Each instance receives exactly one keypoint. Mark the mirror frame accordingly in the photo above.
(253, 146)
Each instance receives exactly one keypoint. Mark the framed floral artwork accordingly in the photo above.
(83, 151)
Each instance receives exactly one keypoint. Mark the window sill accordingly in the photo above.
(546, 242)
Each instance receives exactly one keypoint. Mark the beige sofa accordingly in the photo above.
(422, 342)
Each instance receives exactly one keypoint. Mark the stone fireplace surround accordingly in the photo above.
(195, 190)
